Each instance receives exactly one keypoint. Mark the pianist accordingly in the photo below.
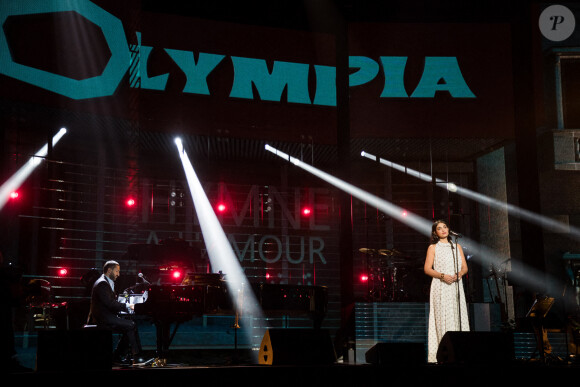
(104, 313)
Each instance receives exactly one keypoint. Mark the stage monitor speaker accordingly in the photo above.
(396, 353)
(293, 346)
(476, 348)
(74, 350)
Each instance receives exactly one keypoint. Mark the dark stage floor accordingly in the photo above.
(236, 368)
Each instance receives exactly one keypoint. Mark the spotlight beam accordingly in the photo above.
(527, 276)
(220, 252)
(543, 221)
(412, 220)
(16, 180)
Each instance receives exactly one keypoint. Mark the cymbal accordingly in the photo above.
(370, 251)
(399, 261)
(391, 252)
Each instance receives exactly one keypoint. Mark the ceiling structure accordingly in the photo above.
(297, 15)
(320, 15)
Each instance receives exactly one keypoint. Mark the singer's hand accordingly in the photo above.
(448, 279)
(132, 306)
(456, 277)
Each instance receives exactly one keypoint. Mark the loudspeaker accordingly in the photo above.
(84, 349)
(475, 348)
(396, 353)
(296, 347)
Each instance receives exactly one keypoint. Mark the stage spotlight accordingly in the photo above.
(130, 202)
(364, 278)
(176, 275)
(221, 207)
(16, 180)
(527, 276)
(14, 195)
(306, 211)
(219, 250)
(179, 144)
(543, 221)
(62, 272)
(414, 221)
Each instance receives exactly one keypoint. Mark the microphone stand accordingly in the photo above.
(456, 263)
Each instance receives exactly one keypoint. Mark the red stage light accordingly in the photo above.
(404, 213)
(221, 207)
(364, 278)
(306, 211)
(14, 195)
(130, 202)
(176, 274)
(62, 272)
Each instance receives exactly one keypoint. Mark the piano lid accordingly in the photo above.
(210, 279)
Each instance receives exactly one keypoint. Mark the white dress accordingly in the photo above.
(443, 307)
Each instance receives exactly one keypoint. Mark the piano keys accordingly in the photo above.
(127, 298)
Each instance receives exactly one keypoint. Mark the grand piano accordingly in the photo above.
(167, 304)
(207, 294)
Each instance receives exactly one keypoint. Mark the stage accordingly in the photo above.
(230, 368)
(398, 336)
(275, 173)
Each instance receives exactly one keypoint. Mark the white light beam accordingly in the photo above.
(16, 180)
(527, 276)
(543, 221)
(221, 255)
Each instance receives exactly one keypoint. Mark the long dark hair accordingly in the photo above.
(434, 237)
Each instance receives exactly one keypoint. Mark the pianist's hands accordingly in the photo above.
(132, 306)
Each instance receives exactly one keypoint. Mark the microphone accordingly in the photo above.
(141, 285)
(455, 234)
(140, 275)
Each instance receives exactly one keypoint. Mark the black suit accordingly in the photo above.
(104, 313)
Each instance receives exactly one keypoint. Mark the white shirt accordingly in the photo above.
(111, 282)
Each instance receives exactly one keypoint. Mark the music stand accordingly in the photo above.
(537, 314)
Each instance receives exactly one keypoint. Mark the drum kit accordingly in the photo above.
(388, 269)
